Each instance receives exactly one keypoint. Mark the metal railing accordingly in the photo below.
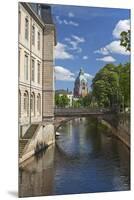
(78, 110)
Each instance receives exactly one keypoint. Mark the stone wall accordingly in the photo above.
(43, 137)
(119, 125)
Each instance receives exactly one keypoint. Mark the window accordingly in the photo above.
(33, 69)
(38, 73)
(26, 28)
(19, 21)
(26, 67)
(33, 35)
(39, 10)
(19, 57)
(39, 104)
(19, 103)
(32, 104)
(38, 40)
(26, 103)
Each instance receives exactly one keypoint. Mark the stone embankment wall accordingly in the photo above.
(43, 137)
(120, 126)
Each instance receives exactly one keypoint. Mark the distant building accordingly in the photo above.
(81, 85)
(69, 95)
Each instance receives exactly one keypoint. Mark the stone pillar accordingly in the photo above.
(48, 73)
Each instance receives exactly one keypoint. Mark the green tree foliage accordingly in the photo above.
(61, 100)
(82, 101)
(125, 84)
(86, 101)
(125, 40)
(111, 85)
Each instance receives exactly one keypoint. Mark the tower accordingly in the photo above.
(81, 85)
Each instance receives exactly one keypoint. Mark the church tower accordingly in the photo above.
(81, 85)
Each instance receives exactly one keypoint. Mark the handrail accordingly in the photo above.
(78, 110)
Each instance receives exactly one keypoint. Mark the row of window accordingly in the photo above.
(32, 102)
(33, 68)
(27, 31)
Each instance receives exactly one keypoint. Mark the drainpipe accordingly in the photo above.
(30, 66)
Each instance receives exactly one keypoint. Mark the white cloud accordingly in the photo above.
(74, 47)
(70, 14)
(89, 76)
(102, 51)
(122, 25)
(58, 20)
(61, 52)
(113, 47)
(78, 39)
(63, 74)
(73, 43)
(106, 59)
(73, 23)
(85, 57)
(66, 22)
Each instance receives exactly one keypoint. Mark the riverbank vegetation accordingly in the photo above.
(111, 86)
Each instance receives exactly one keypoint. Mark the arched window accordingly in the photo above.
(26, 103)
(33, 35)
(19, 21)
(19, 62)
(38, 73)
(26, 67)
(39, 104)
(33, 70)
(83, 85)
(19, 104)
(38, 41)
(26, 28)
(32, 104)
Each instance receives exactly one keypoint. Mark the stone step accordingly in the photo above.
(30, 132)
(22, 144)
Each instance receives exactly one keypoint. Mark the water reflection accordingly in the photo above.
(36, 175)
(85, 159)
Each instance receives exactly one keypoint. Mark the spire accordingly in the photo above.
(81, 71)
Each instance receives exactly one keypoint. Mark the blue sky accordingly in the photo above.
(87, 37)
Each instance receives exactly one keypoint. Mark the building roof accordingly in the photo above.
(43, 11)
(63, 92)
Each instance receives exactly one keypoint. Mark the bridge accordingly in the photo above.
(119, 123)
(78, 112)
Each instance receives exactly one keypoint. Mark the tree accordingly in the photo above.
(61, 100)
(111, 86)
(86, 101)
(105, 86)
(125, 84)
(125, 40)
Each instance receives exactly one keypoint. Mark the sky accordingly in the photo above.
(88, 38)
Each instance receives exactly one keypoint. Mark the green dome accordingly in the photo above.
(81, 77)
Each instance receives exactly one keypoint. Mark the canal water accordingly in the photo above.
(85, 159)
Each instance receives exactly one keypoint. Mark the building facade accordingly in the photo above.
(36, 77)
(81, 85)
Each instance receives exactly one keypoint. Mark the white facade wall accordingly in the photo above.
(31, 87)
(43, 55)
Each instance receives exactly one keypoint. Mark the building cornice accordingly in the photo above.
(33, 14)
(39, 21)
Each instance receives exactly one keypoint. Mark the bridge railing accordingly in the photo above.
(79, 110)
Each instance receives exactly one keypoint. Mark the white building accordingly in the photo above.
(36, 84)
